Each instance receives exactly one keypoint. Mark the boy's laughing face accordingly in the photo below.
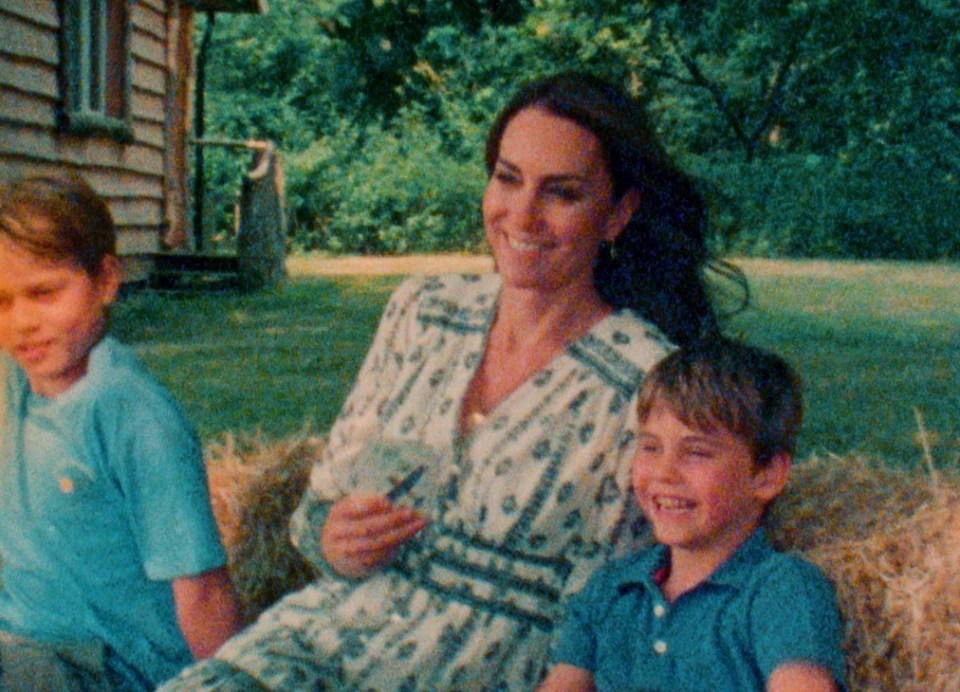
(700, 489)
(52, 313)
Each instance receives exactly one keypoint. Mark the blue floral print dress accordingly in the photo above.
(524, 508)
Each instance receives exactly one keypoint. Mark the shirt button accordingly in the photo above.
(660, 646)
(659, 610)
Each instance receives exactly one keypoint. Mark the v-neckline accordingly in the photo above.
(465, 433)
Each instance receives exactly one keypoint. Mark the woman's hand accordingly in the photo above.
(362, 533)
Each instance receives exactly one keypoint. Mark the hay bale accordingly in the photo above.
(890, 542)
(254, 488)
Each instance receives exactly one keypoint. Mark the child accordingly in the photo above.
(712, 606)
(112, 574)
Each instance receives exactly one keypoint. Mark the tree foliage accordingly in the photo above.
(817, 127)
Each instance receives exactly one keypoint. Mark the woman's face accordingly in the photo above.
(549, 203)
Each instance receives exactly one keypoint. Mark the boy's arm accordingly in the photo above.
(796, 676)
(208, 610)
(567, 678)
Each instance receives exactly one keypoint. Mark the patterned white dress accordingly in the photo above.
(524, 508)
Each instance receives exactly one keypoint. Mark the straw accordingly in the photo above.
(889, 541)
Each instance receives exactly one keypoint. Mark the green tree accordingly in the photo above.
(818, 127)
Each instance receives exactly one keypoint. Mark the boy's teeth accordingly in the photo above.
(673, 503)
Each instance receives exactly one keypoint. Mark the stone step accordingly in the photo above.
(193, 272)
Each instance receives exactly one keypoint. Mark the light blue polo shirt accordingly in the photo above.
(103, 501)
(758, 610)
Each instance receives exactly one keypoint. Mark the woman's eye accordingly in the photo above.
(505, 177)
(700, 453)
(564, 194)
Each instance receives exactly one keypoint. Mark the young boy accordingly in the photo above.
(711, 606)
(112, 574)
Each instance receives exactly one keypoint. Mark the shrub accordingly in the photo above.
(871, 202)
(380, 191)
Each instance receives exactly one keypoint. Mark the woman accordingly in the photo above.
(496, 412)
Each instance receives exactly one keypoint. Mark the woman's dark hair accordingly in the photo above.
(656, 266)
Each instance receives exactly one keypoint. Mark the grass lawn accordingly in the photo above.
(874, 342)
(272, 362)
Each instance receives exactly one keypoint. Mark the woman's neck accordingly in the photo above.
(529, 330)
(531, 320)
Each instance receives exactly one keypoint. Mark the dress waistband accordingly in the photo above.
(491, 577)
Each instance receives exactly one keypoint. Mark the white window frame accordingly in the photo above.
(85, 58)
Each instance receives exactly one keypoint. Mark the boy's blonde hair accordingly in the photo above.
(58, 218)
(752, 393)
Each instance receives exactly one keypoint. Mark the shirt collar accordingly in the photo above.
(642, 568)
(743, 563)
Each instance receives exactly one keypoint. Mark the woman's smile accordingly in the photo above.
(549, 204)
(522, 245)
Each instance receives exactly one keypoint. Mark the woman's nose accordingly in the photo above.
(525, 213)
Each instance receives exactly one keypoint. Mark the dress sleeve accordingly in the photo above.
(359, 419)
(306, 523)
(620, 526)
(795, 618)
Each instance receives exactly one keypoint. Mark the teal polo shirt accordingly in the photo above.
(103, 502)
(758, 610)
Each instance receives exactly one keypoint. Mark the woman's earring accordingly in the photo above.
(607, 251)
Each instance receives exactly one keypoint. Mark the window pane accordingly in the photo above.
(81, 50)
(116, 57)
(98, 55)
(93, 62)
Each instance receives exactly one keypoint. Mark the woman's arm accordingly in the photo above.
(357, 424)
(208, 610)
(361, 418)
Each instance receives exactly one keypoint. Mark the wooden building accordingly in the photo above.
(102, 88)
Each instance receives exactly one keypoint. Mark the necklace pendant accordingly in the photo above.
(477, 418)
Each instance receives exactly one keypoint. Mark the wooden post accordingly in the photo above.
(180, 68)
(261, 240)
(199, 127)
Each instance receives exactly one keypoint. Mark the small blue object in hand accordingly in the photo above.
(404, 486)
